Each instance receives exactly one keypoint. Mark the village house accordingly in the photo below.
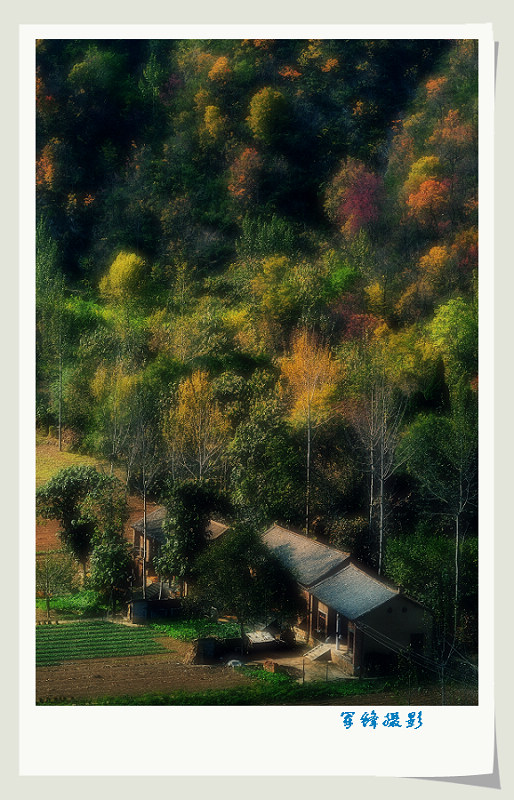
(353, 615)
(155, 538)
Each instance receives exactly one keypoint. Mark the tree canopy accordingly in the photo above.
(257, 269)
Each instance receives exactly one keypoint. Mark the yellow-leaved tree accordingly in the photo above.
(309, 377)
(196, 429)
(125, 278)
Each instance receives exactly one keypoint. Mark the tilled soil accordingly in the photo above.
(136, 675)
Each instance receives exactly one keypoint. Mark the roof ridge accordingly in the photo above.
(308, 539)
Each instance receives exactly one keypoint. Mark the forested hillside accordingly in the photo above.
(257, 265)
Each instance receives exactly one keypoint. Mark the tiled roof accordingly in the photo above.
(155, 519)
(308, 560)
(154, 522)
(352, 592)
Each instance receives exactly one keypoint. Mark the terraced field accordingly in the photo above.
(92, 639)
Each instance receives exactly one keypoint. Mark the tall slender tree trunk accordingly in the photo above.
(60, 394)
(114, 438)
(143, 570)
(372, 468)
(381, 517)
(456, 597)
(308, 476)
(382, 429)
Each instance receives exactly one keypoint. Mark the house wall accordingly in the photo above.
(402, 621)
(151, 552)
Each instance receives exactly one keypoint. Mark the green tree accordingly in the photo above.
(62, 498)
(442, 455)
(265, 463)
(422, 564)
(239, 576)
(107, 504)
(51, 323)
(143, 447)
(376, 414)
(55, 575)
(90, 507)
(111, 570)
(188, 513)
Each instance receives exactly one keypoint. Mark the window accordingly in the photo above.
(322, 624)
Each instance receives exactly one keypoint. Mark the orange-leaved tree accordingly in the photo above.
(309, 375)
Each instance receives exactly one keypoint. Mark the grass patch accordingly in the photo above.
(93, 639)
(267, 689)
(82, 604)
(188, 629)
(50, 460)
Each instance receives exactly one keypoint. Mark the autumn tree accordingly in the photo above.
(267, 114)
(197, 430)
(353, 198)
(245, 173)
(125, 278)
(309, 376)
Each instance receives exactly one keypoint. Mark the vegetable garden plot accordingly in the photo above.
(96, 639)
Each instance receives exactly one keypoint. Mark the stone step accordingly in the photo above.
(321, 651)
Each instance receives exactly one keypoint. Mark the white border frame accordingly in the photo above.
(259, 740)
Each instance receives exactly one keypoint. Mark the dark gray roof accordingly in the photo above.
(309, 561)
(155, 519)
(154, 522)
(352, 592)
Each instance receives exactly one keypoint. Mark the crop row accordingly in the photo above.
(105, 634)
(91, 625)
(57, 635)
(52, 647)
(45, 659)
(92, 640)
